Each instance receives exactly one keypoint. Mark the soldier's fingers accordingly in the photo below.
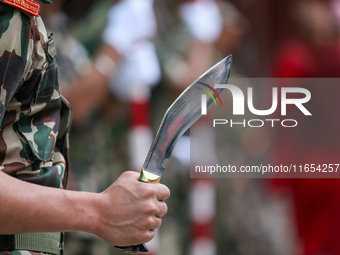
(157, 222)
(162, 192)
(162, 209)
(149, 234)
(151, 222)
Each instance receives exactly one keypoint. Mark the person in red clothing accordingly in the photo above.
(312, 53)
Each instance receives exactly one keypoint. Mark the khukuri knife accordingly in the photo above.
(183, 112)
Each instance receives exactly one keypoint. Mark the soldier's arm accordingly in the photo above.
(125, 214)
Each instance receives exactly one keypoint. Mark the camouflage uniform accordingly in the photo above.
(34, 118)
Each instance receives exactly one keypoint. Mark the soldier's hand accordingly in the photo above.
(131, 210)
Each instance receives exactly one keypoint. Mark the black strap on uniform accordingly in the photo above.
(7, 242)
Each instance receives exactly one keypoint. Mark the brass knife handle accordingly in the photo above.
(148, 177)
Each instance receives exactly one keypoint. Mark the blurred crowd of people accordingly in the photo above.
(122, 63)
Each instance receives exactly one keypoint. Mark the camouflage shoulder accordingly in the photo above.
(15, 28)
(14, 36)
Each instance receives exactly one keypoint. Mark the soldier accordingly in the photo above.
(35, 121)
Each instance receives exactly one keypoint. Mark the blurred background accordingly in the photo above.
(121, 65)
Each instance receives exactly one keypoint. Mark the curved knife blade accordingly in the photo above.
(184, 112)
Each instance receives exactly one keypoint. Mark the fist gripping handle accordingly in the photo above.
(146, 177)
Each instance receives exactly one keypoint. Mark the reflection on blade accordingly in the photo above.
(184, 112)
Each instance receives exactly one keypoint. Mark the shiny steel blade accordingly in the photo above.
(184, 112)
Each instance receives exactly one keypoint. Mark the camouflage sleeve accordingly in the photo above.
(14, 48)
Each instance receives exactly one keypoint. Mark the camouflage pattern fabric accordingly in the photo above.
(16, 252)
(34, 118)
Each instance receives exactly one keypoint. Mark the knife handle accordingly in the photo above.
(146, 177)
(141, 248)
